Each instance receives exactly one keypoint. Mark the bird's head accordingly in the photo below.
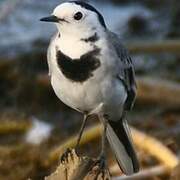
(76, 17)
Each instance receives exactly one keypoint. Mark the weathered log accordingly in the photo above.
(74, 167)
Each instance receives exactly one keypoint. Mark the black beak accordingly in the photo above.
(50, 19)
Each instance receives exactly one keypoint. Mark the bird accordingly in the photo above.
(92, 72)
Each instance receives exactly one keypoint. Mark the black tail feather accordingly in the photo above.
(119, 137)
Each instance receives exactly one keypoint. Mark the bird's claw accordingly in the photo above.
(76, 148)
(100, 163)
(65, 155)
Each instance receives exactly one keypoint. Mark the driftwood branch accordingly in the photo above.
(155, 148)
(78, 168)
(145, 142)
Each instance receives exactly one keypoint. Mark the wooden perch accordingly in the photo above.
(143, 141)
(89, 135)
(78, 168)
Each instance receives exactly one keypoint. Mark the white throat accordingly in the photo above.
(73, 45)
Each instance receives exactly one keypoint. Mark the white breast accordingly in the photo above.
(101, 88)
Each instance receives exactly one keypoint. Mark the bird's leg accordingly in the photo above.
(101, 161)
(103, 143)
(68, 151)
(103, 140)
(65, 155)
(81, 131)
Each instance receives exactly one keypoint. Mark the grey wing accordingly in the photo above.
(126, 70)
(118, 133)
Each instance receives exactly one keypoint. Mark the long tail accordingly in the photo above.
(119, 137)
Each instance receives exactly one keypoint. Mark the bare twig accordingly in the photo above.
(144, 174)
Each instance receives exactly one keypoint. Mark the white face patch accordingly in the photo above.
(74, 25)
(67, 11)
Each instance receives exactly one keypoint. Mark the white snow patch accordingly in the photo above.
(39, 132)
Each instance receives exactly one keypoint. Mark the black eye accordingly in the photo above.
(78, 16)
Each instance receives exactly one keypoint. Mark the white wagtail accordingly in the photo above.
(92, 73)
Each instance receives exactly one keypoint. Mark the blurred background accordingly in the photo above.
(33, 121)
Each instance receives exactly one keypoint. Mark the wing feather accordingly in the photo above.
(126, 71)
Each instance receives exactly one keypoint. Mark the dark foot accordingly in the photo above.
(65, 155)
(76, 149)
(100, 163)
